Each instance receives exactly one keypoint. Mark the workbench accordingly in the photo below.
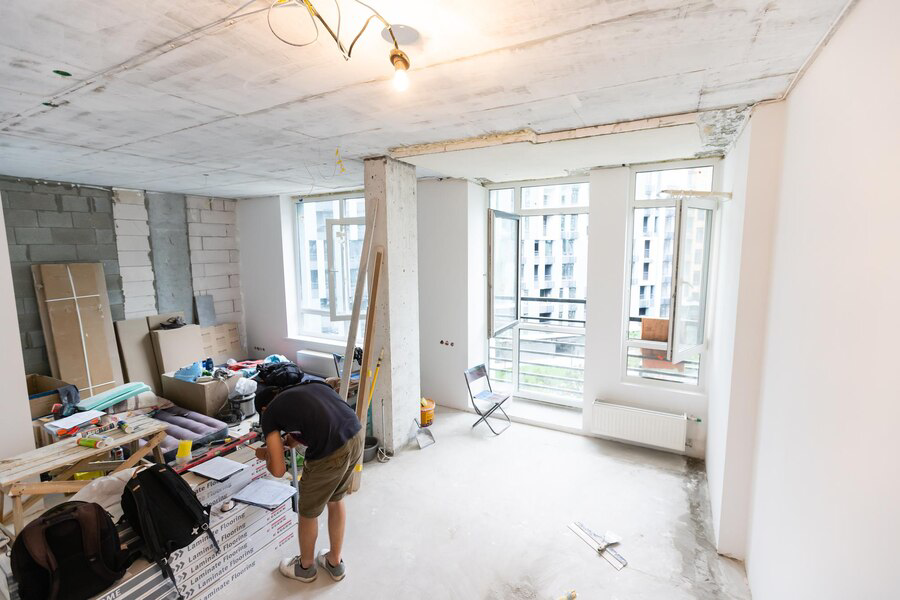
(64, 459)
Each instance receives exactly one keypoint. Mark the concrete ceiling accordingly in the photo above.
(232, 111)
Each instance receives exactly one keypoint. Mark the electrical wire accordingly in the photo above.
(283, 4)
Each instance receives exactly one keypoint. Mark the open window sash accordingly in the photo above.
(344, 241)
(693, 230)
(503, 271)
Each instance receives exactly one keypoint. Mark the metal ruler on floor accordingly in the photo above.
(599, 544)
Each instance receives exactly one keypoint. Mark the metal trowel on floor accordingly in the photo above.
(423, 436)
(601, 543)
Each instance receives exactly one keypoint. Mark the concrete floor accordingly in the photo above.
(476, 517)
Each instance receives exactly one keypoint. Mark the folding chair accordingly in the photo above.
(485, 400)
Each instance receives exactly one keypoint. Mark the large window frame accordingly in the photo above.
(522, 325)
(301, 268)
(680, 204)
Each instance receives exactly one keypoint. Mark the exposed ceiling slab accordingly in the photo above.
(162, 98)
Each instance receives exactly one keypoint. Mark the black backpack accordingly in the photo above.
(71, 552)
(165, 512)
(279, 375)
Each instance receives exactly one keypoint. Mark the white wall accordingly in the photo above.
(826, 488)
(604, 327)
(452, 254)
(17, 436)
(752, 173)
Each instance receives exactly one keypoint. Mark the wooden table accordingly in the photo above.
(66, 458)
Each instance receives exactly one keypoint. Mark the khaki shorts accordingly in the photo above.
(327, 479)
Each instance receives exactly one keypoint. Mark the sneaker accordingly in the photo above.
(337, 573)
(291, 568)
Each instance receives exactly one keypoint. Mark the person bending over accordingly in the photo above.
(315, 414)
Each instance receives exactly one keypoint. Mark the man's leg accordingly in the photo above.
(309, 531)
(337, 519)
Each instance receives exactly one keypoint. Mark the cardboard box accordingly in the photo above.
(177, 348)
(207, 398)
(136, 352)
(42, 394)
(222, 342)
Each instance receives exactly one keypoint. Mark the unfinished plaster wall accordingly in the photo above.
(826, 483)
(171, 257)
(51, 223)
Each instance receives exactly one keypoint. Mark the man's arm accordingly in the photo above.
(273, 454)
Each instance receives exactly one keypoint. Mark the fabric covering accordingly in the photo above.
(183, 424)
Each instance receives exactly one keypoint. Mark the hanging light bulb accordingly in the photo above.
(401, 65)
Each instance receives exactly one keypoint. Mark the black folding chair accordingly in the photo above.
(485, 401)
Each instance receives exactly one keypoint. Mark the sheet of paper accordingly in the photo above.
(266, 493)
(218, 468)
(76, 419)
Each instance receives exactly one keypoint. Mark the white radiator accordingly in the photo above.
(316, 363)
(663, 430)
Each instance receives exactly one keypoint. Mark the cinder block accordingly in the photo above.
(32, 201)
(198, 270)
(210, 256)
(123, 196)
(234, 256)
(225, 294)
(54, 188)
(235, 317)
(116, 297)
(54, 219)
(117, 312)
(133, 242)
(216, 216)
(227, 268)
(29, 322)
(76, 203)
(132, 228)
(207, 229)
(42, 253)
(18, 253)
(130, 212)
(193, 215)
(29, 306)
(195, 242)
(33, 235)
(202, 284)
(198, 202)
(9, 185)
(224, 307)
(145, 305)
(20, 218)
(216, 204)
(234, 281)
(73, 236)
(219, 243)
(36, 339)
(101, 204)
(10, 235)
(97, 252)
(134, 289)
(94, 191)
(105, 236)
(134, 259)
(111, 266)
(136, 274)
(93, 220)
(229, 204)
(34, 356)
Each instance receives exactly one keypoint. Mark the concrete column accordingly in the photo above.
(391, 186)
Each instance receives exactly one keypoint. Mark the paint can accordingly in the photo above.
(93, 441)
(427, 412)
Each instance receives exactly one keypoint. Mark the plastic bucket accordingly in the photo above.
(427, 413)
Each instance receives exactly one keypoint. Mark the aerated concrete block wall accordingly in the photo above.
(158, 250)
(52, 223)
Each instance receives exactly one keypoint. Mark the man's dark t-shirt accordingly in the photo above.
(316, 413)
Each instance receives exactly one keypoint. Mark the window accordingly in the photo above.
(542, 356)
(314, 251)
(665, 341)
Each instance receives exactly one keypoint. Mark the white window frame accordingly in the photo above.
(298, 262)
(517, 186)
(330, 224)
(633, 204)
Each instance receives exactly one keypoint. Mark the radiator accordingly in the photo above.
(649, 427)
(316, 363)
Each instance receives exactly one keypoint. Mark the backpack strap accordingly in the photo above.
(35, 539)
(89, 517)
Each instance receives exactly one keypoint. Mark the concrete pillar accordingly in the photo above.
(391, 185)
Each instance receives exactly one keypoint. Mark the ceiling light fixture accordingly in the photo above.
(398, 57)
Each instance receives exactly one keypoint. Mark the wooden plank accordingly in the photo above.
(25, 506)
(18, 514)
(152, 445)
(46, 487)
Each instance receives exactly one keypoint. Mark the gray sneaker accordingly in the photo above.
(291, 568)
(337, 573)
